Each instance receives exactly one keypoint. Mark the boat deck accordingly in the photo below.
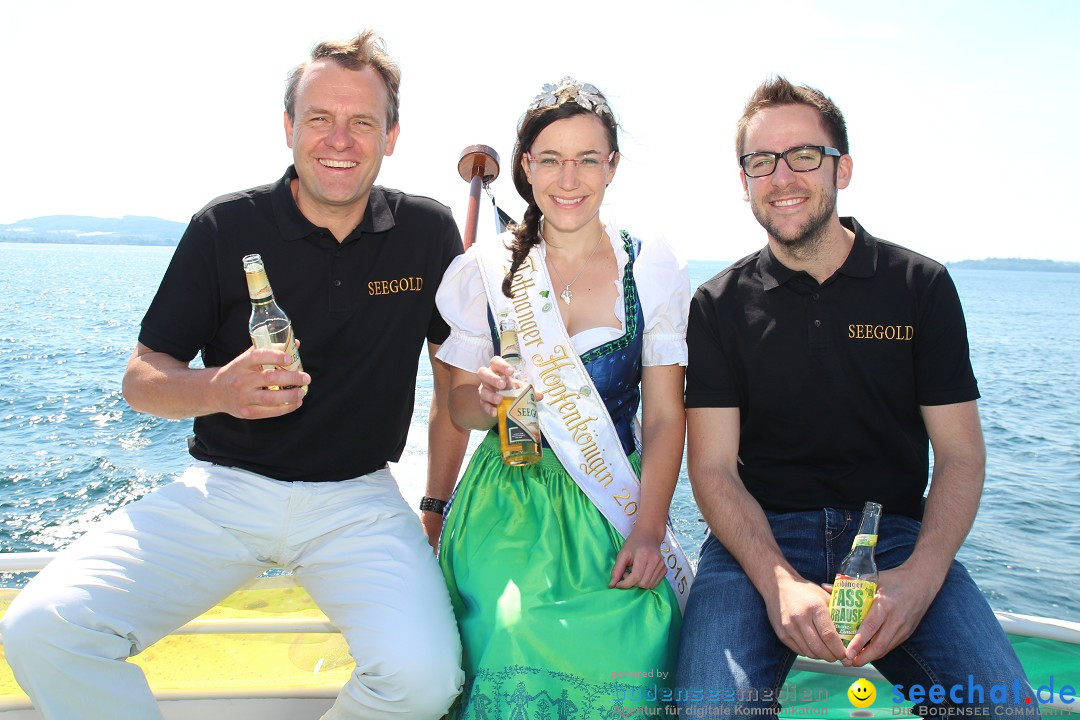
(268, 640)
(267, 651)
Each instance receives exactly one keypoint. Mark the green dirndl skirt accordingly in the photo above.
(527, 558)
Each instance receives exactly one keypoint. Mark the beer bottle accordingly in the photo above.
(856, 581)
(519, 428)
(269, 326)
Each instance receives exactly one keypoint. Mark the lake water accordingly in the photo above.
(71, 449)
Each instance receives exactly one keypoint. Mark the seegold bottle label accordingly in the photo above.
(292, 361)
(260, 338)
(258, 285)
(850, 601)
(508, 339)
(522, 425)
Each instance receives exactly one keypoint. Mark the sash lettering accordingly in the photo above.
(572, 414)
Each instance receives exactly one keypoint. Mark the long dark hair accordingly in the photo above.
(526, 234)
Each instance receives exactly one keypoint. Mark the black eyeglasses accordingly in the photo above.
(800, 159)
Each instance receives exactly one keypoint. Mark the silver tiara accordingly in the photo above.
(584, 94)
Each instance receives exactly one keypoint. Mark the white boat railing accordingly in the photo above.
(30, 562)
(25, 561)
(1014, 624)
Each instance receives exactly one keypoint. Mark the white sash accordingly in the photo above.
(572, 414)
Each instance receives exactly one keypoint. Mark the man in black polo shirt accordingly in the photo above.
(819, 370)
(294, 477)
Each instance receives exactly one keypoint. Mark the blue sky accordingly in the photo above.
(956, 110)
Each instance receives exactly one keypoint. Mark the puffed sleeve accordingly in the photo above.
(663, 283)
(463, 304)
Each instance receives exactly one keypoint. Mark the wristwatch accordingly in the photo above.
(434, 505)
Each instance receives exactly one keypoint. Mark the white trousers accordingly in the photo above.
(157, 563)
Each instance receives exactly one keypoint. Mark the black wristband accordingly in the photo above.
(432, 505)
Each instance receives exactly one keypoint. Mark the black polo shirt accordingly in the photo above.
(829, 378)
(361, 310)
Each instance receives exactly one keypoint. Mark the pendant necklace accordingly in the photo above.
(567, 294)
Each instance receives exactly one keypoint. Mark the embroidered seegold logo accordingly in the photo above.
(389, 287)
(881, 332)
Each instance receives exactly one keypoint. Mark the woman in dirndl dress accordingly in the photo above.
(561, 613)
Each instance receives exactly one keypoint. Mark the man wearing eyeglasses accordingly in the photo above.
(820, 369)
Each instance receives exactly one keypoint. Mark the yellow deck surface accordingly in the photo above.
(270, 664)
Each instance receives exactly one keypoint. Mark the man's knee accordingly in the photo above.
(434, 686)
(422, 681)
(31, 629)
(48, 626)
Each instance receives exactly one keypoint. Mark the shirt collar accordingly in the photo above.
(378, 217)
(861, 260)
(773, 272)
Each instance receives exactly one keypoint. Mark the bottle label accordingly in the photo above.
(850, 601)
(508, 342)
(522, 425)
(261, 337)
(292, 355)
(259, 286)
(864, 541)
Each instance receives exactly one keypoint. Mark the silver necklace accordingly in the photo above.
(567, 294)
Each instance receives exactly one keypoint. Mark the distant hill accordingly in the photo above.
(1016, 264)
(84, 229)
(143, 230)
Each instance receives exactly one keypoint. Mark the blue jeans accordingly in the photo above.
(730, 657)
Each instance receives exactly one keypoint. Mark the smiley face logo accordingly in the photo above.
(862, 693)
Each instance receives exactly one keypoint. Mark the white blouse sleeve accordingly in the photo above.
(663, 283)
(463, 304)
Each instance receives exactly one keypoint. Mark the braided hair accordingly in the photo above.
(526, 234)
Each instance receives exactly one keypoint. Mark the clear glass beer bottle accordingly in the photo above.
(519, 427)
(856, 581)
(268, 326)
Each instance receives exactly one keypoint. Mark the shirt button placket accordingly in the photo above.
(336, 299)
(816, 333)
